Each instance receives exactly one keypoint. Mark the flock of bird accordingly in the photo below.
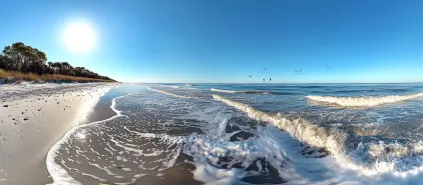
(296, 71)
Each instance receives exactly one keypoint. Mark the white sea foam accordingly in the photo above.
(331, 138)
(239, 91)
(367, 158)
(225, 91)
(169, 93)
(211, 175)
(207, 154)
(57, 173)
(174, 86)
(363, 101)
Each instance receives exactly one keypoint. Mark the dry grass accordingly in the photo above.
(18, 76)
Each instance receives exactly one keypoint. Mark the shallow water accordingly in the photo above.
(249, 134)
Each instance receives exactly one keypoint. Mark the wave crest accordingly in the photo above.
(363, 101)
(168, 93)
(225, 91)
(370, 157)
(246, 92)
(332, 139)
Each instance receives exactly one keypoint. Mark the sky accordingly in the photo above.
(221, 41)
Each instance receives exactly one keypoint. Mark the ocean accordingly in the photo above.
(248, 134)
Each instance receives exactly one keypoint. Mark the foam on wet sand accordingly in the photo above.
(32, 118)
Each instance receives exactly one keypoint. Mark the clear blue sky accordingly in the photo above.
(224, 41)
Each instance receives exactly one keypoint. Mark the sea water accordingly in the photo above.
(249, 134)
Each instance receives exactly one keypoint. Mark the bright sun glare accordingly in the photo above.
(79, 37)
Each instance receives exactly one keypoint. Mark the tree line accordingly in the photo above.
(26, 59)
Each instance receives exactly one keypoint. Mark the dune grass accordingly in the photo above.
(18, 76)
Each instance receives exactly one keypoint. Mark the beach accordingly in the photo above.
(211, 134)
(211, 92)
(35, 116)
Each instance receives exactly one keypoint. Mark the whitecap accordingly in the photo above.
(363, 101)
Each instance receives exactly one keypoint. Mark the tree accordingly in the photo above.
(2, 62)
(66, 69)
(56, 67)
(36, 61)
(17, 54)
(26, 59)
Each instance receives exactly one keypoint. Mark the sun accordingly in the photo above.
(79, 37)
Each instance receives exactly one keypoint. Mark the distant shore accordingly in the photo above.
(35, 116)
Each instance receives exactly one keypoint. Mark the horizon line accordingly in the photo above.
(274, 83)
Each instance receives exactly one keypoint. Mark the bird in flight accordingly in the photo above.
(265, 69)
(250, 76)
(298, 72)
(329, 67)
(270, 79)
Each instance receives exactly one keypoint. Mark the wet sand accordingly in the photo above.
(32, 121)
(120, 167)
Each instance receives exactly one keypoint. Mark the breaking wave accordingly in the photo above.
(332, 139)
(225, 91)
(363, 101)
(247, 92)
(355, 153)
(169, 93)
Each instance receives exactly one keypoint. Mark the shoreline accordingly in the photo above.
(31, 122)
(61, 176)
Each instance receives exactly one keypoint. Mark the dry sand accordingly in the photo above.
(32, 118)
